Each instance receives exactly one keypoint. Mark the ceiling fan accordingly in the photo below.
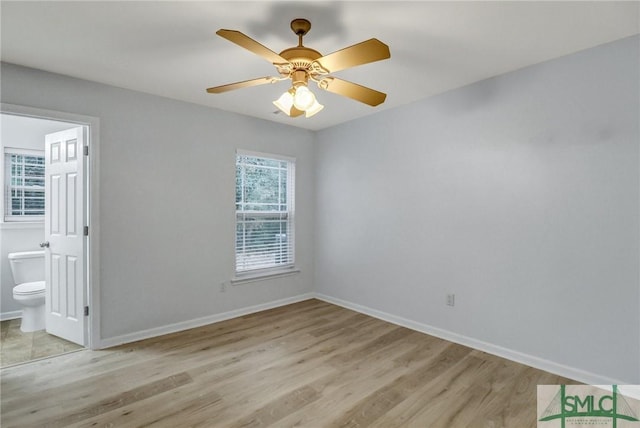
(301, 64)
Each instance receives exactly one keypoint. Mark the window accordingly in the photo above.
(24, 185)
(264, 212)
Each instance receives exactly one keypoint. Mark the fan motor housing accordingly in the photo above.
(300, 57)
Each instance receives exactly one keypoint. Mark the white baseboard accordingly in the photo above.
(4, 316)
(519, 357)
(509, 354)
(198, 322)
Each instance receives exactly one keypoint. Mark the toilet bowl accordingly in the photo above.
(28, 273)
(30, 295)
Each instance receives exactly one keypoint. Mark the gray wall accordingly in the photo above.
(167, 174)
(519, 194)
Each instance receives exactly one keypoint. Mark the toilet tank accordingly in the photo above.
(27, 266)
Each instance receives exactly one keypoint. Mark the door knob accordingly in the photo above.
(44, 244)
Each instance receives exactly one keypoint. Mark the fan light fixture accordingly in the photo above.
(297, 100)
(304, 98)
(285, 102)
(315, 108)
(301, 64)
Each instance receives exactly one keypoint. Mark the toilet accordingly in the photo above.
(28, 273)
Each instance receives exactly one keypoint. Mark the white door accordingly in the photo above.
(64, 232)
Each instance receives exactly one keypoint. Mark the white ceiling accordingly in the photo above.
(170, 48)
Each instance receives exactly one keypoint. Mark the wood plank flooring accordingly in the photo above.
(310, 364)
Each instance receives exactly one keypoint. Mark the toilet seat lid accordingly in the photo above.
(29, 288)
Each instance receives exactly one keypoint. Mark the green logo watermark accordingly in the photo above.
(586, 405)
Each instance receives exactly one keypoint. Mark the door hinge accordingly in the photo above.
(86, 311)
(86, 231)
(86, 150)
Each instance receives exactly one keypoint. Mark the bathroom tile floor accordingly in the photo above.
(18, 347)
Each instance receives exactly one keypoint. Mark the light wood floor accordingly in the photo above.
(311, 364)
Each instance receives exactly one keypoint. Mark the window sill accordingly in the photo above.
(21, 225)
(253, 277)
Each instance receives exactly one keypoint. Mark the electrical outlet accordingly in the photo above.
(223, 287)
(451, 299)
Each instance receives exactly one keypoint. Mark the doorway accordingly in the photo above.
(82, 280)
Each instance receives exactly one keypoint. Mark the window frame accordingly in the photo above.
(7, 217)
(243, 275)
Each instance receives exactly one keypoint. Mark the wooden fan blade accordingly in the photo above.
(248, 43)
(353, 91)
(244, 84)
(362, 53)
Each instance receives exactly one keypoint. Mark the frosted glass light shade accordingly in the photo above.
(304, 98)
(285, 102)
(315, 108)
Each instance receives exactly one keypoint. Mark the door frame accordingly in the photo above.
(91, 189)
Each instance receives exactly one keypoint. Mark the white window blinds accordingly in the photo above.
(24, 185)
(264, 212)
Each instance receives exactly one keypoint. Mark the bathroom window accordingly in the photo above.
(264, 213)
(24, 185)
